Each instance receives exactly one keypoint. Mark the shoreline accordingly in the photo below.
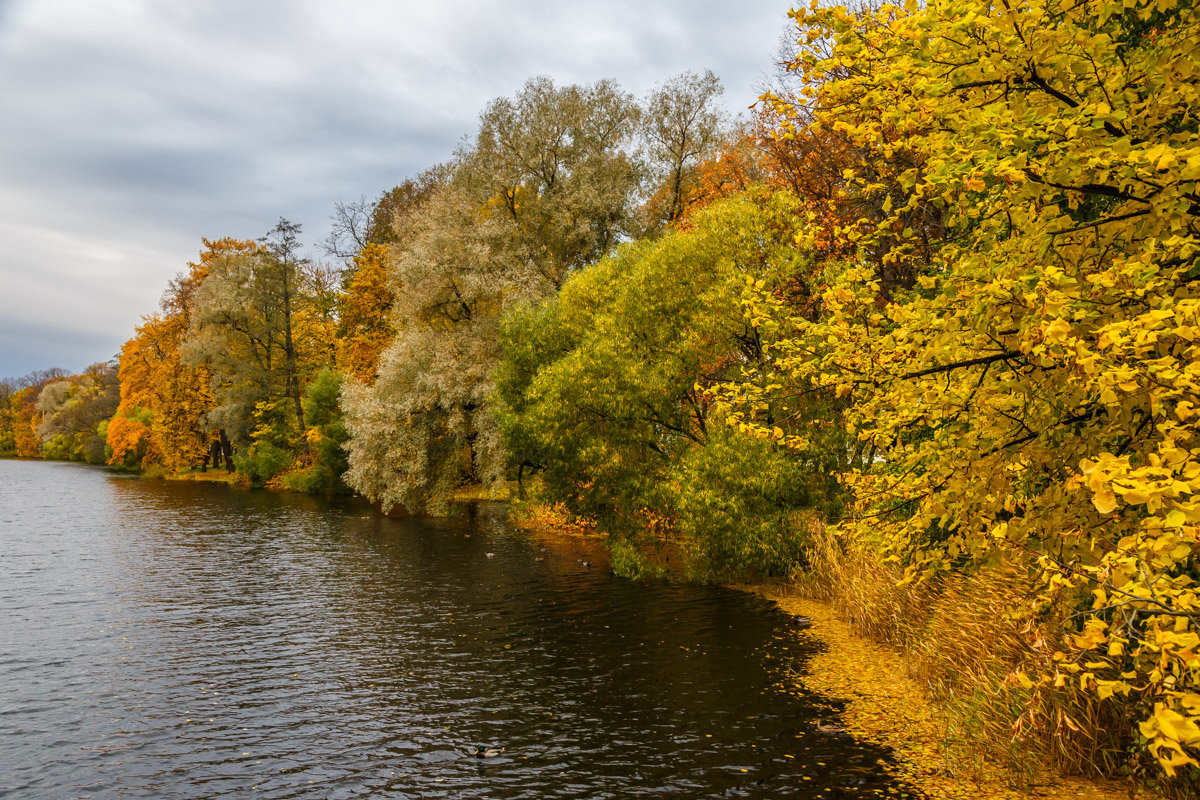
(882, 703)
(885, 706)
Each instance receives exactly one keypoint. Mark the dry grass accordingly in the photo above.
(961, 641)
(884, 703)
(478, 491)
(862, 588)
(209, 476)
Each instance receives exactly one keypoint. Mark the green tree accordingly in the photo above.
(327, 435)
(604, 390)
(283, 267)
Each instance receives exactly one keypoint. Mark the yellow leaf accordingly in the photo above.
(1135, 496)
(1057, 331)
(1104, 500)
(1170, 724)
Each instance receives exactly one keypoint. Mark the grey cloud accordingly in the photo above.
(44, 346)
(133, 129)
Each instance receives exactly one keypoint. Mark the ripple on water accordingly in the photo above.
(185, 641)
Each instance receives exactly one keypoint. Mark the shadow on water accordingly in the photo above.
(188, 640)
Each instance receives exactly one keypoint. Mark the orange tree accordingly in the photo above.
(165, 398)
(161, 416)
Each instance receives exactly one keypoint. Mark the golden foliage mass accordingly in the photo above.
(363, 307)
(1017, 338)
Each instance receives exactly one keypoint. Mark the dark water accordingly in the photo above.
(167, 640)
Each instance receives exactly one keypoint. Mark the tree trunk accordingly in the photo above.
(226, 451)
(289, 349)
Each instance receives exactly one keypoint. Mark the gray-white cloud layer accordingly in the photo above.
(129, 129)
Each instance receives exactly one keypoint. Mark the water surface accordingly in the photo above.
(176, 640)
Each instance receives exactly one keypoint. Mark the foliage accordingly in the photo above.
(735, 504)
(327, 436)
(548, 186)
(129, 438)
(24, 421)
(1016, 343)
(8, 442)
(71, 410)
(59, 447)
(387, 222)
(19, 416)
(262, 461)
(235, 336)
(552, 178)
(161, 418)
(364, 308)
(420, 429)
(261, 315)
(682, 127)
(602, 389)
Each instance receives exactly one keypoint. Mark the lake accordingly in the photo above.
(191, 640)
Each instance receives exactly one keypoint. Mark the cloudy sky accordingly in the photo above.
(129, 129)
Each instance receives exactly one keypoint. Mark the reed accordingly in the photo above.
(966, 641)
(862, 588)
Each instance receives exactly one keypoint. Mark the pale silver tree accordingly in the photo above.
(549, 186)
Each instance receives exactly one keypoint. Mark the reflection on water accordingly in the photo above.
(173, 640)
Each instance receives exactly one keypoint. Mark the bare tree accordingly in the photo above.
(349, 226)
(682, 125)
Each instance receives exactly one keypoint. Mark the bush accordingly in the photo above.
(735, 503)
(57, 448)
(327, 436)
(262, 461)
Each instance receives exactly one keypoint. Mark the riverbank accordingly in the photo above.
(884, 705)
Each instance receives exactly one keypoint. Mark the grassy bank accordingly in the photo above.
(209, 476)
(921, 674)
(885, 704)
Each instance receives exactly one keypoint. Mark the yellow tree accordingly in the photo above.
(1029, 388)
(363, 312)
